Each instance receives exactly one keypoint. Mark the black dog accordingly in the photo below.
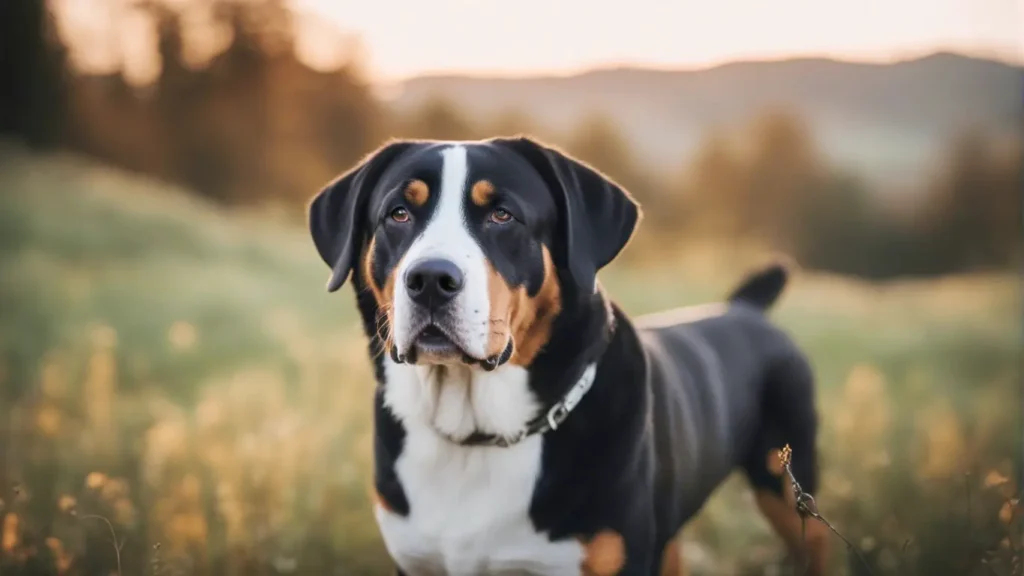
(523, 424)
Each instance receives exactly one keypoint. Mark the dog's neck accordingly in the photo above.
(580, 336)
(459, 402)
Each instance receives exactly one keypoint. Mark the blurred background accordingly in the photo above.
(171, 363)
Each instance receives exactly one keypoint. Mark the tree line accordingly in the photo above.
(255, 125)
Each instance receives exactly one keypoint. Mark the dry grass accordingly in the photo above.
(1004, 558)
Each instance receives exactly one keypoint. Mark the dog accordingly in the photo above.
(523, 424)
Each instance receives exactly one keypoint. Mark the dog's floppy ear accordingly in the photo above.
(336, 211)
(598, 215)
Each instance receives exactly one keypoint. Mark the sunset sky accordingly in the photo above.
(409, 37)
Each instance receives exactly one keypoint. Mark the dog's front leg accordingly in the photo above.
(628, 551)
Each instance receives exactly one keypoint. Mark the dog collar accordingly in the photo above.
(548, 421)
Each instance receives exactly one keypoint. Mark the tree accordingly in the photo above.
(973, 220)
(844, 232)
(598, 141)
(714, 189)
(33, 68)
(783, 174)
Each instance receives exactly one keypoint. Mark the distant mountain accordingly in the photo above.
(887, 118)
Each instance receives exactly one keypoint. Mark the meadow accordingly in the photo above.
(180, 371)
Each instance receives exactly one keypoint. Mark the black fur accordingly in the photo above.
(728, 389)
(597, 216)
(336, 214)
(673, 409)
(646, 447)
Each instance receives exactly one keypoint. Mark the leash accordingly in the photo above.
(547, 422)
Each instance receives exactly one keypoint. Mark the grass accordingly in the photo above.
(182, 372)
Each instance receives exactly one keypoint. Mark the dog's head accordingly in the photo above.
(470, 249)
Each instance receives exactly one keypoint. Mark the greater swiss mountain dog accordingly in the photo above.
(523, 424)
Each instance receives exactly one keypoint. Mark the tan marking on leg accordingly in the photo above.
(774, 462)
(672, 563)
(604, 554)
(516, 315)
(482, 192)
(417, 192)
(784, 520)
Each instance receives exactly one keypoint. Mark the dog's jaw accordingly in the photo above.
(458, 400)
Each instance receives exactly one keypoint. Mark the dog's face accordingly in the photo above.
(461, 243)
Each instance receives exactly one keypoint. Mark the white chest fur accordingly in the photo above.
(468, 506)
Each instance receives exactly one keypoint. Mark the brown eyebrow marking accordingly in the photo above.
(482, 192)
(417, 192)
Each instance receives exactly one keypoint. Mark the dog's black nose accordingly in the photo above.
(433, 282)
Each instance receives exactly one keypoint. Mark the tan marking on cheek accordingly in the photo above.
(482, 192)
(389, 290)
(368, 272)
(500, 297)
(604, 554)
(388, 307)
(532, 318)
(515, 314)
(417, 192)
(384, 295)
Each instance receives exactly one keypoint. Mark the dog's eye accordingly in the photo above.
(500, 216)
(400, 215)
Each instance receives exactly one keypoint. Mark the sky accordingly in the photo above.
(403, 38)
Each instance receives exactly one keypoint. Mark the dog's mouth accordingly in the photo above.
(433, 345)
(432, 341)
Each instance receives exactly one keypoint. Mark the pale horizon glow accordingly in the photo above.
(405, 38)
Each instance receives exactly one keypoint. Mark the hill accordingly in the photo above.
(887, 118)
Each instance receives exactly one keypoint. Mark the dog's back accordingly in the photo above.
(727, 388)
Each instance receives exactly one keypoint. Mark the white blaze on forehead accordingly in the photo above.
(447, 236)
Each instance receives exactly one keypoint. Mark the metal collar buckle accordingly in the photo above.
(506, 441)
(551, 421)
(557, 414)
(560, 411)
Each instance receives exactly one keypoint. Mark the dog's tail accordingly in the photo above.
(762, 288)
